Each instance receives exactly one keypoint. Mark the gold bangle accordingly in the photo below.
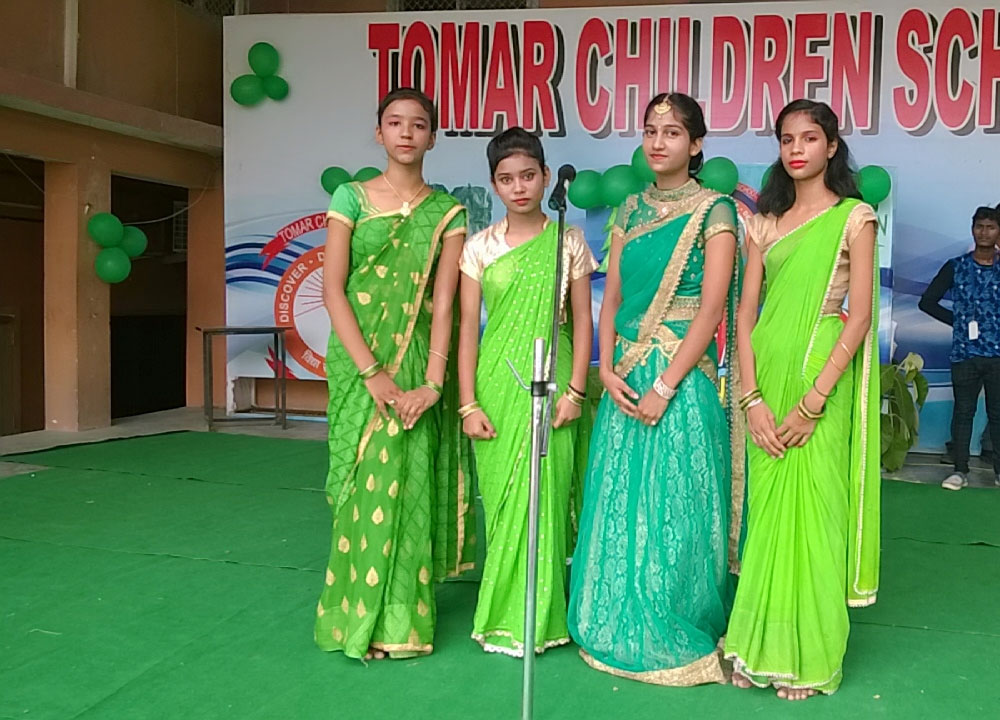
(371, 371)
(440, 355)
(573, 399)
(805, 413)
(846, 350)
(575, 393)
(749, 394)
(467, 410)
(834, 363)
(433, 386)
(749, 398)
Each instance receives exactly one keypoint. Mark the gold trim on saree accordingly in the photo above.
(778, 680)
(707, 669)
(737, 426)
(339, 217)
(651, 326)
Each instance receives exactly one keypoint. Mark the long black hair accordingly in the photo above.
(778, 194)
(405, 93)
(515, 141)
(688, 111)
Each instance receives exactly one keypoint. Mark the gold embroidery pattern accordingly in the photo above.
(717, 229)
(707, 669)
(378, 516)
(339, 217)
(372, 577)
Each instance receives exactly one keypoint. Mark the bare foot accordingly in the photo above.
(741, 681)
(795, 693)
(375, 654)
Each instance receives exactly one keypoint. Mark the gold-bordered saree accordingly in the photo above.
(651, 585)
(401, 500)
(813, 522)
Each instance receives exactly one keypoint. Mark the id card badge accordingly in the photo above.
(973, 330)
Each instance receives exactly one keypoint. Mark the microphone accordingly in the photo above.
(565, 176)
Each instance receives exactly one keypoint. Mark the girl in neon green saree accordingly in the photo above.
(811, 393)
(651, 588)
(399, 481)
(511, 266)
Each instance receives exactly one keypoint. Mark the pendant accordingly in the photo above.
(405, 210)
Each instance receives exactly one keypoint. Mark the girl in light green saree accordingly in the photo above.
(812, 399)
(399, 480)
(511, 266)
(651, 586)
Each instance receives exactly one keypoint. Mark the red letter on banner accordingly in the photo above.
(989, 70)
(593, 101)
(383, 38)
(418, 37)
(632, 71)
(663, 51)
(683, 81)
(954, 111)
(853, 81)
(459, 103)
(807, 67)
(538, 68)
(913, 107)
(729, 39)
(768, 91)
(501, 85)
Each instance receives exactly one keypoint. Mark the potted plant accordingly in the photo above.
(904, 390)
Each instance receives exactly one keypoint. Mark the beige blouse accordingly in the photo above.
(490, 244)
(762, 230)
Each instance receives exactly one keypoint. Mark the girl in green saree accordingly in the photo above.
(511, 265)
(650, 584)
(398, 483)
(813, 477)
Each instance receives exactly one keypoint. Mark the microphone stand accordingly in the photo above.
(543, 389)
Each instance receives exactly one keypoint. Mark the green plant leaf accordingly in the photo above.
(920, 383)
(886, 375)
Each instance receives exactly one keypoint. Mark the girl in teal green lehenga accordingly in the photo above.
(650, 587)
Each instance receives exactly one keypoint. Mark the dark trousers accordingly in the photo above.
(968, 378)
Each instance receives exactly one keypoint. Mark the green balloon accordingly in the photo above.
(134, 241)
(720, 174)
(264, 59)
(112, 265)
(585, 190)
(641, 165)
(367, 173)
(105, 229)
(333, 177)
(617, 183)
(275, 87)
(874, 183)
(247, 90)
(766, 176)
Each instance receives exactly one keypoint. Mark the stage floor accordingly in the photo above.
(176, 576)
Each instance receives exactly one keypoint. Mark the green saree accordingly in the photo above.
(651, 585)
(401, 500)
(517, 289)
(813, 520)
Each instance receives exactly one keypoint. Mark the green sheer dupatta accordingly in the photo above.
(800, 272)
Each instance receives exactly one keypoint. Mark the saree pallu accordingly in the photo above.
(650, 583)
(517, 288)
(813, 521)
(401, 500)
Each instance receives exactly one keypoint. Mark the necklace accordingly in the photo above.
(405, 209)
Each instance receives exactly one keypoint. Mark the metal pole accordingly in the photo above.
(539, 394)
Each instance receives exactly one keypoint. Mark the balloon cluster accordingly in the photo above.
(592, 189)
(119, 244)
(248, 90)
(334, 176)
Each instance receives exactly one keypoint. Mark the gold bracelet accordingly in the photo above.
(467, 410)
(749, 394)
(371, 371)
(573, 399)
(846, 350)
(749, 398)
(575, 393)
(433, 386)
(834, 363)
(440, 355)
(805, 413)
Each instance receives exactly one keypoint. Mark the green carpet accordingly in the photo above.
(177, 577)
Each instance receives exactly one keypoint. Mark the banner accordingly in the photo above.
(916, 90)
